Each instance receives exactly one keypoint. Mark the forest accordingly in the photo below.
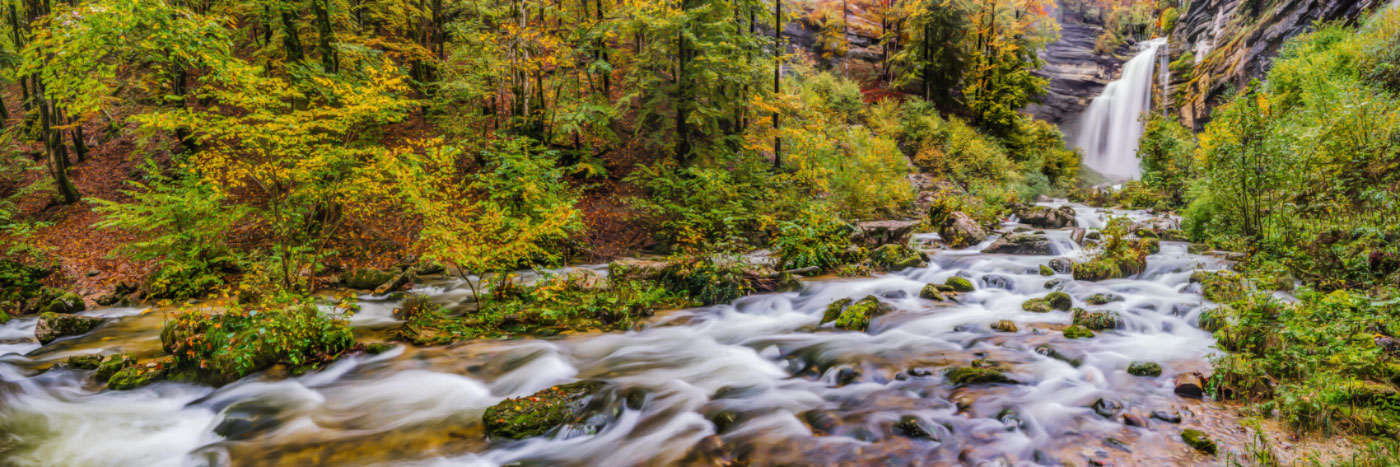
(699, 232)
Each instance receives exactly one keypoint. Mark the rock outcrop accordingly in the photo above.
(1077, 74)
(1218, 45)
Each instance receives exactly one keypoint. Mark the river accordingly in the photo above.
(784, 389)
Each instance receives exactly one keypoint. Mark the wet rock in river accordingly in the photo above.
(998, 281)
(1036, 305)
(1020, 244)
(1151, 369)
(367, 278)
(896, 257)
(822, 422)
(913, 427)
(1096, 320)
(83, 362)
(1107, 407)
(1078, 332)
(1062, 265)
(52, 326)
(398, 282)
(135, 376)
(112, 365)
(931, 292)
(248, 418)
(959, 284)
(1059, 301)
(876, 233)
(833, 310)
(539, 413)
(1011, 419)
(1046, 271)
(1134, 420)
(1167, 416)
(1102, 299)
(962, 376)
(960, 230)
(857, 316)
(1004, 325)
(1072, 357)
(1198, 440)
(1046, 217)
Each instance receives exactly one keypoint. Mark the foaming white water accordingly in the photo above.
(797, 391)
(1109, 130)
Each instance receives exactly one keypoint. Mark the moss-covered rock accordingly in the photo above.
(538, 413)
(414, 305)
(931, 292)
(1220, 286)
(896, 257)
(1078, 332)
(1020, 244)
(961, 376)
(1101, 299)
(218, 348)
(857, 316)
(61, 302)
(1096, 320)
(1198, 441)
(1151, 369)
(1046, 271)
(52, 326)
(368, 278)
(84, 362)
(959, 284)
(1036, 305)
(135, 376)
(112, 365)
(1059, 301)
(1004, 325)
(833, 310)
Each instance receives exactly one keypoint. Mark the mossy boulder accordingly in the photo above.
(856, 316)
(1151, 369)
(1046, 271)
(1059, 301)
(959, 230)
(1102, 299)
(833, 310)
(83, 362)
(1036, 305)
(1020, 244)
(539, 413)
(368, 278)
(1104, 268)
(1220, 286)
(931, 292)
(894, 257)
(141, 374)
(58, 301)
(52, 326)
(1004, 325)
(112, 365)
(1078, 332)
(962, 376)
(1198, 440)
(959, 284)
(218, 348)
(1096, 320)
(1047, 217)
(1062, 265)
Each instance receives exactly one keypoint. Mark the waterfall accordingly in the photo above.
(1108, 131)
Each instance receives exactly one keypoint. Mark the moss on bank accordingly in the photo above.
(220, 347)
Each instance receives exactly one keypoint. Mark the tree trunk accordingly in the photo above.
(329, 61)
(777, 80)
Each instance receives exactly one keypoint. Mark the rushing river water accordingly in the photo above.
(788, 391)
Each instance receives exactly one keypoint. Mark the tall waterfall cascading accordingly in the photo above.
(1108, 131)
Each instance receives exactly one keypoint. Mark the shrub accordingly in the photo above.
(816, 238)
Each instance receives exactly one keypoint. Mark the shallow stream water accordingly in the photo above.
(784, 389)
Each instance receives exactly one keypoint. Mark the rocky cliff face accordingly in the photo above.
(1218, 45)
(1076, 74)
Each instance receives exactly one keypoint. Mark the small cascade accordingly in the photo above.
(1108, 131)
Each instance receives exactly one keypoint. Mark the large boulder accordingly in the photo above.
(857, 316)
(960, 230)
(368, 278)
(1020, 244)
(873, 234)
(1046, 217)
(52, 326)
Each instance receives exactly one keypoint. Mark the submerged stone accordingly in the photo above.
(1004, 325)
(913, 427)
(1166, 416)
(1198, 440)
(1107, 408)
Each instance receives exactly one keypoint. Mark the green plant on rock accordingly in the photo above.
(816, 238)
(220, 347)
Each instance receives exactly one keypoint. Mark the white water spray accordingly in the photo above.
(1109, 130)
